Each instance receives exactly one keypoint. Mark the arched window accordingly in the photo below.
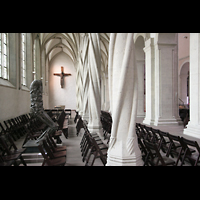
(4, 64)
(23, 59)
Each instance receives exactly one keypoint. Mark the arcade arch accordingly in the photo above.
(184, 84)
(140, 62)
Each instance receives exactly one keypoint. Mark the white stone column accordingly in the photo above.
(86, 93)
(85, 84)
(79, 87)
(193, 127)
(123, 147)
(150, 81)
(166, 84)
(107, 106)
(94, 66)
(140, 105)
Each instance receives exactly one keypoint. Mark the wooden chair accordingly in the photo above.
(76, 117)
(192, 156)
(84, 140)
(50, 152)
(2, 129)
(6, 163)
(11, 155)
(9, 129)
(157, 159)
(31, 132)
(106, 121)
(175, 148)
(86, 133)
(97, 152)
(50, 161)
(165, 141)
(79, 125)
(142, 148)
(53, 145)
(86, 144)
(61, 119)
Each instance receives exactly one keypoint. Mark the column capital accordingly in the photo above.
(148, 44)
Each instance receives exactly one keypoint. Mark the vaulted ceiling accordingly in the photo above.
(69, 43)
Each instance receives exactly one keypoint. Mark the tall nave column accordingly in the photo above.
(94, 68)
(79, 89)
(161, 63)
(85, 75)
(150, 81)
(123, 147)
(140, 106)
(166, 79)
(193, 127)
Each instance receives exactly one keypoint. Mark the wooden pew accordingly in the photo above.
(76, 117)
(106, 121)
(79, 125)
(7, 154)
(92, 145)
(53, 156)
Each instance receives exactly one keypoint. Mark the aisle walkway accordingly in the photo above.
(74, 157)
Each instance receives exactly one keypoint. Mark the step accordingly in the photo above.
(31, 155)
(33, 158)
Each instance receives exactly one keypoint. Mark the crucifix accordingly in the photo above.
(62, 75)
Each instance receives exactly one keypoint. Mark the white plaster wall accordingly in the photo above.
(66, 95)
(13, 102)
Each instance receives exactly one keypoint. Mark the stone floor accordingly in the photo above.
(74, 157)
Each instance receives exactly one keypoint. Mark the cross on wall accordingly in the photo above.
(62, 75)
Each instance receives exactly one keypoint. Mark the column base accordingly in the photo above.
(148, 121)
(140, 115)
(192, 130)
(85, 117)
(173, 121)
(125, 161)
(96, 129)
(119, 156)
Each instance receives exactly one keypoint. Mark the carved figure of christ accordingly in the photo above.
(62, 75)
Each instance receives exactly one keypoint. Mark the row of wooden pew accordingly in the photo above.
(53, 155)
(158, 148)
(92, 147)
(10, 132)
(33, 130)
(15, 126)
(161, 148)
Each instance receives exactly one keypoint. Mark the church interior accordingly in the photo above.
(108, 99)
